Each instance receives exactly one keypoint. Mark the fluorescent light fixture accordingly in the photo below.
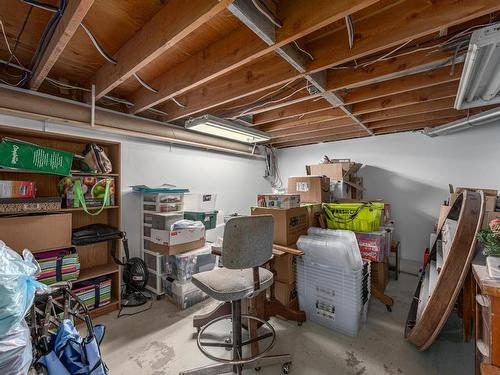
(219, 127)
(480, 81)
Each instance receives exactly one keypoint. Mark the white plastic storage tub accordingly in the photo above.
(183, 266)
(333, 282)
(199, 202)
(184, 295)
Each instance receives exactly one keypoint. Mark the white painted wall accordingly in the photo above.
(412, 172)
(235, 179)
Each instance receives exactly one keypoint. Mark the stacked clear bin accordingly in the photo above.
(168, 205)
(333, 282)
(180, 269)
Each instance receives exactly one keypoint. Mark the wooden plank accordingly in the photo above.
(242, 47)
(381, 90)
(413, 109)
(308, 141)
(176, 20)
(415, 125)
(317, 134)
(68, 24)
(296, 109)
(327, 115)
(423, 95)
(307, 128)
(408, 20)
(420, 18)
(403, 84)
(447, 113)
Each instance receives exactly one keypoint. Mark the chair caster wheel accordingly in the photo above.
(257, 369)
(389, 308)
(286, 368)
(158, 298)
(299, 324)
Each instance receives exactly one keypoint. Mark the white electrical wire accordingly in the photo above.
(7, 43)
(145, 84)
(176, 102)
(43, 6)
(350, 30)
(271, 101)
(303, 50)
(266, 14)
(96, 44)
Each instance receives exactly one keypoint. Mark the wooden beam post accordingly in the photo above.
(68, 24)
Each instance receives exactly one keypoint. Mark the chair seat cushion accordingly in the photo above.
(225, 284)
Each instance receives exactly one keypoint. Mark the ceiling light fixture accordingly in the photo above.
(219, 127)
(480, 81)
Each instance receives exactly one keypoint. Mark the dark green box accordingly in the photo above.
(208, 218)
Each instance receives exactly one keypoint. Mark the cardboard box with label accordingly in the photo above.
(177, 241)
(278, 200)
(285, 268)
(338, 170)
(312, 189)
(289, 223)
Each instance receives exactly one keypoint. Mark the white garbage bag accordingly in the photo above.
(17, 286)
(15, 350)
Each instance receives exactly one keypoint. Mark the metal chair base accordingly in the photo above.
(238, 363)
(224, 368)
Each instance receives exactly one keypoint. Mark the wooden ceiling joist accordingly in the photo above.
(416, 125)
(417, 18)
(413, 109)
(403, 120)
(242, 47)
(310, 128)
(307, 141)
(68, 24)
(176, 20)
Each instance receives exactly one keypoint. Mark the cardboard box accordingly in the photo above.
(312, 189)
(339, 170)
(17, 189)
(443, 213)
(177, 241)
(285, 268)
(490, 203)
(37, 232)
(285, 292)
(490, 197)
(278, 200)
(289, 223)
(313, 214)
(488, 216)
(380, 274)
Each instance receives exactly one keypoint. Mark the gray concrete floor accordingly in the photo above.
(161, 341)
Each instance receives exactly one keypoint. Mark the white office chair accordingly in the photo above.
(247, 244)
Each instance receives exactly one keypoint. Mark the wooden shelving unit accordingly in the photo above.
(95, 260)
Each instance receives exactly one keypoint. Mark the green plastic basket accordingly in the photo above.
(359, 217)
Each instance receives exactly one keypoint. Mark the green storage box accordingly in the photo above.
(208, 218)
(28, 156)
(359, 217)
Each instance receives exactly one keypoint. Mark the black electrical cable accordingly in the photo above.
(18, 38)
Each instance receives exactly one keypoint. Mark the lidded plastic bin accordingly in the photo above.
(373, 245)
(183, 266)
(333, 282)
(184, 295)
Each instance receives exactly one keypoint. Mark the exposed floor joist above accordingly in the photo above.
(306, 72)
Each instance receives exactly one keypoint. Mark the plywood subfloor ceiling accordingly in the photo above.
(397, 70)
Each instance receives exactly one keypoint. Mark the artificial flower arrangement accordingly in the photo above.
(490, 239)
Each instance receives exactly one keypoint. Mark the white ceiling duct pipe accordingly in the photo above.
(482, 118)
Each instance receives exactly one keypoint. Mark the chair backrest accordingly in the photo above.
(248, 241)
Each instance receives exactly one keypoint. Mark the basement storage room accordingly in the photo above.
(202, 187)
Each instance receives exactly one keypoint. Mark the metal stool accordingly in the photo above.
(248, 243)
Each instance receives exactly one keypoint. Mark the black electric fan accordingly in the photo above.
(135, 277)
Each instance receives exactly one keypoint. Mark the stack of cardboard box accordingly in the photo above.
(344, 183)
(490, 205)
